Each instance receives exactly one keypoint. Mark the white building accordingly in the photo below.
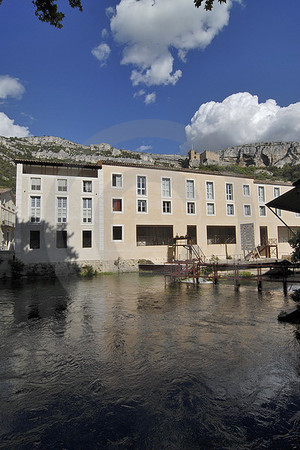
(113, 215)
(8, 219)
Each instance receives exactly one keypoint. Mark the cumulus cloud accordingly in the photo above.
(10, 87)
(241, 119)
(102, 53)
(150, 98)
(9, 129)
(151, 31)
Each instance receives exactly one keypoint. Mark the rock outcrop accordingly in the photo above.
(264, 154)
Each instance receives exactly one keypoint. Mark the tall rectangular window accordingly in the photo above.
(62, 185)
(35, 209)
(190, 208)
(34, 239)
(35, 184)
(117, 233)
(276, 192)
(166, 207)
(247, 210)
(142, 206)
(261, 194)
(117, 205)
(210, 195)
(190, 189)
(166, 187)
(87, 210)
(141, 185)
(262, 211)
(246, 190)
(61, 239)
(229, 191)
(61, 209)
(87, 186)
(210, 209)
(86, 239)
(116, 180)
(230, 209)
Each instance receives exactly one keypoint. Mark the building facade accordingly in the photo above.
(8, 219)
(115, 215)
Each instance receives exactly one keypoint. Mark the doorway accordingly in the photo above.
(263, 235)
(191, 231)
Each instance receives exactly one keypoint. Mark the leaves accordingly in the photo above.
(46, 11)
(208, 3)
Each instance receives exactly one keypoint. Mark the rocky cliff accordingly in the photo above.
(264, 154)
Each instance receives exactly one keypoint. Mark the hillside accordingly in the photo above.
(266, 160)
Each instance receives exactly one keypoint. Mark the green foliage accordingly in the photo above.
(87, 271)
(295, 244)
(16, 267)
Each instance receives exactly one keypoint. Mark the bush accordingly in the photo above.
(16, 267)
(87, 272)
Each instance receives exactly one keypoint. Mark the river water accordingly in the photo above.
(123, 361)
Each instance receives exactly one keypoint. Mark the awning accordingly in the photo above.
(290, 201)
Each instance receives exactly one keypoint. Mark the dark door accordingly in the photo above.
(191, 231)
(263, 235)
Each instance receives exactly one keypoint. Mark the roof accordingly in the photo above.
(290, 201)
(40, 162)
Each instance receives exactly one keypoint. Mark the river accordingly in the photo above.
(123, 361)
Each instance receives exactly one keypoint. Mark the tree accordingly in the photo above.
(208, 3)
(46, 11)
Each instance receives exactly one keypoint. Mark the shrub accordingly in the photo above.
(88, 272)
(16, 267)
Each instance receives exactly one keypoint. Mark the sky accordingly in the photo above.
(157, 76)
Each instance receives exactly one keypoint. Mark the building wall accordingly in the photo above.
(8, 219)
(114, 233)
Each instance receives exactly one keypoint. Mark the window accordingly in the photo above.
(230, 209)
(141, 185)
(87, 210)
(86, 239)
(154, 234)
(246, 190)
(34, 239)
(62, 185)
(116, 180)
(190, 207)
(117, 205)
(229, 191)
(61, 239)
(166, 207)
(285, 234)
(210, 195)
(262, 211)
(61, 209)
(261, 194)
(117, 233)
(35, 209)
(166, 187)
(221, 235)
(87, 186)
(142, 206)
(190, 188)
(35, 184)
(247, 210)
(277, 194)
(210, 209)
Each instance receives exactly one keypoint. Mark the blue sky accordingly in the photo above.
(158, 75)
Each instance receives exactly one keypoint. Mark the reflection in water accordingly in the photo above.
(125, 362)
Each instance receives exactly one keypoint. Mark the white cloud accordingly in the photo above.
(144, 148)
(241, 119)
(150, 98)
(10, 87)
(102, 52)
(9, 129)
(150, 30)
(139, 93)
